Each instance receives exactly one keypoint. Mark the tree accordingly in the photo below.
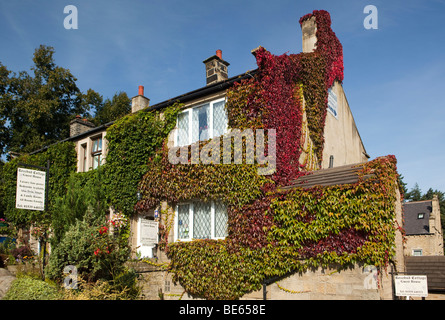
(415, 194)
(4, 100)
(35, 109)
(113, 109)
(85, 193)
(403, 185)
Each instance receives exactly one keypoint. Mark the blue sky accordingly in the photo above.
(394, 75)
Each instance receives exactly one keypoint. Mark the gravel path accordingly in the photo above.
(6, 279)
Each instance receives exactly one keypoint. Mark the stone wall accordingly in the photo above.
(342, 139)
(356, 283)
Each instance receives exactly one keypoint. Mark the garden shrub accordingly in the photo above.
(75, 248)
(89, 247)
(28, 288)
(21, 252)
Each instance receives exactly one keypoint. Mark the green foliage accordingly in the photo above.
(312, 77)
(89, 247)
(207, 269)
(28, 288)
(62, 157)
(235, 184)
(111, 110)
(123, 287)
(75, 248)
(338, 225)
(273, 233)
(38, 107)
(132, 141)
(85, 193)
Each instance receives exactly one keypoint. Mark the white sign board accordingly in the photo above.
(413, 286)
(30, 192)
(149, 232)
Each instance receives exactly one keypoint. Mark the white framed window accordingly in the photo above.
(200, 220)
(417, 252)
(96, 152)
(203, 122)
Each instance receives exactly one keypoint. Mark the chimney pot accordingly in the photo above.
(216, 68)
(139, 102)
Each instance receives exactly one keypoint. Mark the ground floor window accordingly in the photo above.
(201, 220)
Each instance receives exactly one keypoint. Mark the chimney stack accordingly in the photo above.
(79, 125)
(216, 68)
(139, 102)
(309, 30)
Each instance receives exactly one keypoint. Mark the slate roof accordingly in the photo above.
(414, 224)
(431, 266)
(347, 174)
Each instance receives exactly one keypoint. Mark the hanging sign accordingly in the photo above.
(30, 192)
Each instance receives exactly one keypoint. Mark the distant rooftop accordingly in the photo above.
(417, 215)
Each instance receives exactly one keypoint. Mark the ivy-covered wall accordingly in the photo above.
(132, 140)
(62, 159)
(271, 233)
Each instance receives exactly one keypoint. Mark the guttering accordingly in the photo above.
(195, 94)
(76, 137)
(213, 88)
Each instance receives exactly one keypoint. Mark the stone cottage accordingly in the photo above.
(324, 223)
(423, 228)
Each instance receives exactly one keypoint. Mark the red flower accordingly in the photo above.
(103, 230)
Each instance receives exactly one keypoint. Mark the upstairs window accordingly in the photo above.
(201, 220)
(201, 123)
(96, 152)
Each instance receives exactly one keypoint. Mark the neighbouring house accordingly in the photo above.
(296, 212)
(423, 228)
(433, 267)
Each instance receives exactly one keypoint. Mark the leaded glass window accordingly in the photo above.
(201, 123)
(201, 220)
(183, 221)
(220, 220)
(220, 120)
(183, 129)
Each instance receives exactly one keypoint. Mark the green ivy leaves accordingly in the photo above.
(302, 228)
(132, 141)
